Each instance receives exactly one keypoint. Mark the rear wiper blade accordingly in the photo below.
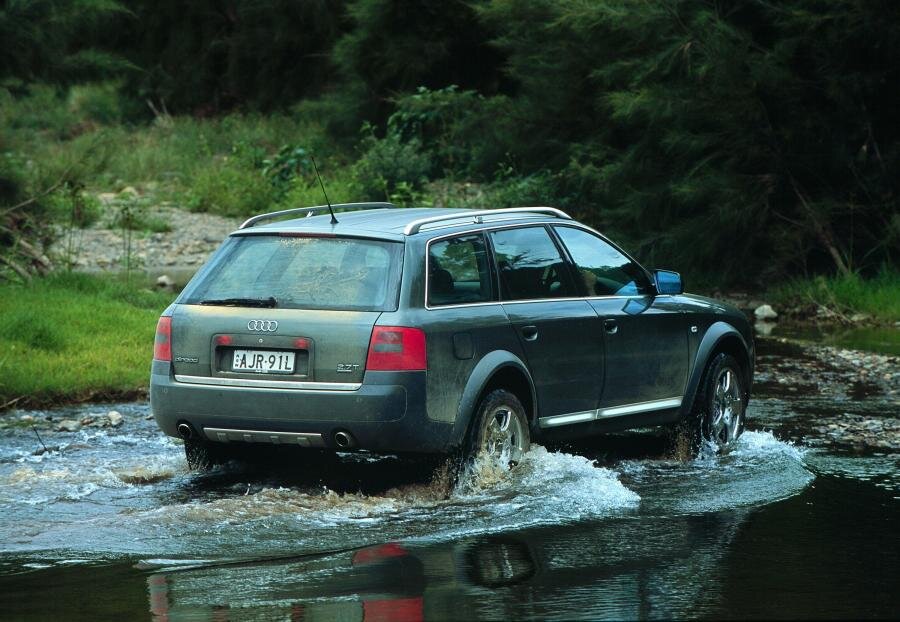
(269, 302)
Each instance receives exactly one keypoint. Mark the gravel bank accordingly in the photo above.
(192, 238)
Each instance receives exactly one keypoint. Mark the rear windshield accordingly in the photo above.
(303, 273)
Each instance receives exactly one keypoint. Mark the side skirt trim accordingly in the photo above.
(612, 411)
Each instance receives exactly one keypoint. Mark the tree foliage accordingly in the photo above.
(735, 137)
(208, 56)
(54, 41)
(739, 140)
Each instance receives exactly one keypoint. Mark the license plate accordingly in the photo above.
(263, 362)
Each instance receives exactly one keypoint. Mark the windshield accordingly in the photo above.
(301, 273)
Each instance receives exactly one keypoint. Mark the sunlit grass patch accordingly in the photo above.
(74, 336)
(878, 297)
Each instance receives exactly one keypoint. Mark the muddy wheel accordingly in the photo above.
(719, 409)
(500, 429)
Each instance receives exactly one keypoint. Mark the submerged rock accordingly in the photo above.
(115, 418)
(140, 475)
(68, 425)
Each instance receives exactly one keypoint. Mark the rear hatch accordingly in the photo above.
(285, 308)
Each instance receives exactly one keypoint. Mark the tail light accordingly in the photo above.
(162, 345)
(396, 348)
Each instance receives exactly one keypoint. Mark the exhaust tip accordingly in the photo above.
(343, 440)
(185, 431)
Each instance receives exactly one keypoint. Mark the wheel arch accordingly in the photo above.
(720, 337)
(498, 369)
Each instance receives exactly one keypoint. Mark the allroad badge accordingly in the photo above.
(262, 326)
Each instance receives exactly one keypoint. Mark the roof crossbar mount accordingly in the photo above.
(311, 211)
(477, 216)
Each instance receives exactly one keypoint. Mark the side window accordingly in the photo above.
(604, 271)
(458, 271)
(530, 265)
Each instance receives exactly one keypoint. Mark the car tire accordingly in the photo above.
(718, 412)
(500, 427)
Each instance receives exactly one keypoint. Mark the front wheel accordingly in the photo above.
(719, 410)
(500, 430)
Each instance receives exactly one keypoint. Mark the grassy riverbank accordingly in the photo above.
(74, 337)
(842, 298)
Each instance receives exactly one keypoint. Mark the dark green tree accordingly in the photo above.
(55, 41)
(209, 56)
(396, 46)
(741, 138)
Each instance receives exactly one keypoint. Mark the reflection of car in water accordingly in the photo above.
(622, 568)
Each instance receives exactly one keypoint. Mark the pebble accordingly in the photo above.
(115, 418)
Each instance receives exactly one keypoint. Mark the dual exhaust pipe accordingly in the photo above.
(343, 440)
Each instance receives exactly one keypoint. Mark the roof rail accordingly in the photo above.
(310, 211)
(478, 215)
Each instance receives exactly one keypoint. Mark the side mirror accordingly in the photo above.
(668, 282)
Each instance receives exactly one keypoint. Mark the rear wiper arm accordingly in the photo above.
(269, 302)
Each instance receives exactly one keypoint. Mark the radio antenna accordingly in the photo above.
(334, 220)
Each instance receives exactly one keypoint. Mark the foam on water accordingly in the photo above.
(759, 469)
(105, 493)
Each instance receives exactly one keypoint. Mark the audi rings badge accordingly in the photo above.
(262, 326)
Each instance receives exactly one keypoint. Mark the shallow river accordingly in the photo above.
(110, 524)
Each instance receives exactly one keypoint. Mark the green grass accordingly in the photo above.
(878, 297)
(72, 337)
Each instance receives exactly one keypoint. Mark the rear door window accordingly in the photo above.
(530, 265)
(459, 271)
(603, 270)
(304, 273)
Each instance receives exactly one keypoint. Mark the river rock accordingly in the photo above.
(765, 313)
(764, 328)
(164, 281)
(115, 418)
(68, 425)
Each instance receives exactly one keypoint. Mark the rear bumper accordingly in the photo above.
(385, 414)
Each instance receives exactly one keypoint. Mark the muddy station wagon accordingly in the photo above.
(433, 331)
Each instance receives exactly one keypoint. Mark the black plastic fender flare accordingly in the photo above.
(480, 377)
(714, 335)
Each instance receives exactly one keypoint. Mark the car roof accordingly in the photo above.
(394, 224)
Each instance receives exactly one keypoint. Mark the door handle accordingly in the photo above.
(611, 326)
(530, 333)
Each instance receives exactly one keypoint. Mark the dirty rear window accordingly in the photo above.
(303, 273)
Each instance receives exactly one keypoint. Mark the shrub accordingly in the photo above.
(98, 102)
(390, 166)
(465, 133)
(229, 189)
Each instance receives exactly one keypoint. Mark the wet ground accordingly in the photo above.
(800, 520)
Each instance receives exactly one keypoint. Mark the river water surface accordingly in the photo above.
(110, 524)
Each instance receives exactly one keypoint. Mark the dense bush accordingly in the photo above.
(391, 167)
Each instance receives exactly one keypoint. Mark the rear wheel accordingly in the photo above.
(500, 430)
(718, 413)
